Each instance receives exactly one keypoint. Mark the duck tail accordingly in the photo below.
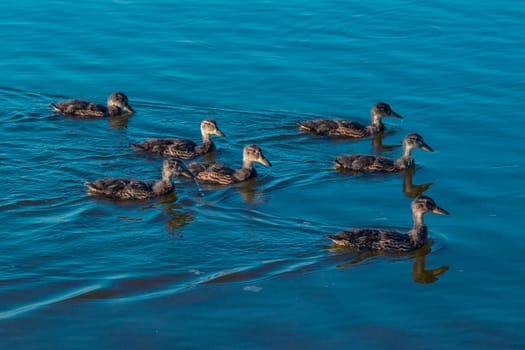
(90, 186)
(303, 125)
(337, 164)
(54, 106)
(137, 146)
(333, 238)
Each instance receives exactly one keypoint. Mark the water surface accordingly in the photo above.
(248, 265)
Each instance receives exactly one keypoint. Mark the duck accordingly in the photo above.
(379, 164)
(385, 240)
(183, 148)
(131, 189)
(222, 175)
(351, 129)
(117, 104)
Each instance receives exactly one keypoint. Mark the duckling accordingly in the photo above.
(219, 174)
(117, 104)
(374, 164)
(183, 148)
(135, 189)
(347, 128)
(384, 240)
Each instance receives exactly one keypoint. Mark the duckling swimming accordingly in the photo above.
(374, 164)
(384, 240)
(117, 104)
(219, 174)
(136, 189)
(346, 128)
(182, 148)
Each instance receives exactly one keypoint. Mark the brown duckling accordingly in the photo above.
(183, 148)
(385, 240)
(219, 174)
(135, 189)
(347, 128)
(375, 164)
(117, 104)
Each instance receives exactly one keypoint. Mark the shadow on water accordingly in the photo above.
(419, 273)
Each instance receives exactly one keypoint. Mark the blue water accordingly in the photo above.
(248, 266)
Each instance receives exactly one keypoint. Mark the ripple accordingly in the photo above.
(257, 67)
(69, 295)
(32, 203)
(139, 288)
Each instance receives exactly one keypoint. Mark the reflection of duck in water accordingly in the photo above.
(384, 240)
(419, 272)
(346, 128)
(219, 174)
(409, 189)
(134, 189)
(183, 148)
(376, 164)
(117, 104)
(175, 215)
(378, 146)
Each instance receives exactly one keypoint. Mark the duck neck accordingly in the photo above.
(247, 164)
(164, 185)
(206, 138)
(166, 176)
(407, 150)
(112, 111)
(406, 160)
(246, 171)
(419, 233)
(377, 121)
(418, 219)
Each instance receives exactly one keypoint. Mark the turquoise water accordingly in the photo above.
(248, 266)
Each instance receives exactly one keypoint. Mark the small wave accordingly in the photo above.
(37, 305)
(32, 203)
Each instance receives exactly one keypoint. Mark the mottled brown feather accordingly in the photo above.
(385, 240)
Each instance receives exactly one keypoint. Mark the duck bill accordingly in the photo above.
(440, 211)
(395, 115)
(128, 109)
(264, 161)
(427, 148)
(186, 172)
(219, 133)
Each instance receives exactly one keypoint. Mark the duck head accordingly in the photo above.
(119, 101)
